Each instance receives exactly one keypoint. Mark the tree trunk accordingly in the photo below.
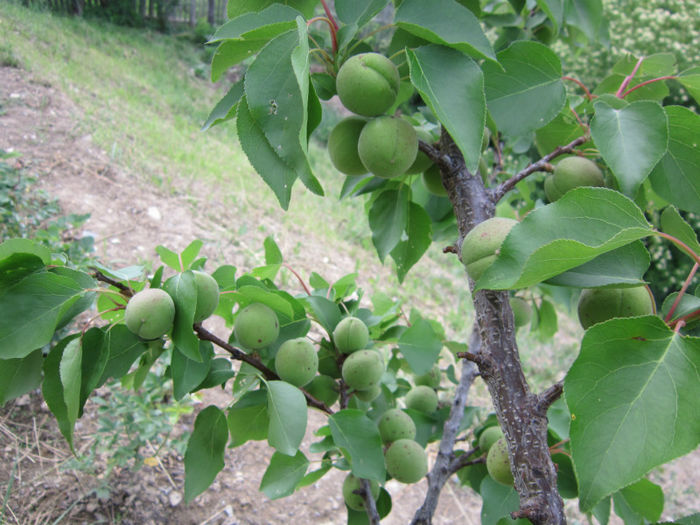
(150, 8)
(211, 10)
(193, 13)
(521, 414)
(142, 10)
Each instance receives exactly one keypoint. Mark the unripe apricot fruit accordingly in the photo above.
(342, 146)
(422, 398)
(368, 84)
(150, 313)
(387, 146)
(522, 311)
(256, 326)
(596, 305)
(396, 424)
(571, 173)
(481, 245)
(488, 437)
(368, 395)
(430, 378)
(350, 334)
(406, 461)
(323, 388)
(353, 500)
(363, 369)
(422, 161)
(296, 361)
(497, 463)
(432, 179)
(207, 295)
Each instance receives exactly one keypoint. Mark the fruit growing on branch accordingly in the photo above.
(368, 395)
(363, 369)
(430, 378)
(150, 313)
(422, 398)
(388, 146)
(396, 424)
(497, 462)
(406, 461)
(482, 243)
(324, 388)
(368, 84)
(522, 311)
(600, 304)
(570, 173)
(350, 334)
(342, 146)
(354, 500)
(296, 361)
(489, 436)
(256, 326)
(207, 295)
(433, 181)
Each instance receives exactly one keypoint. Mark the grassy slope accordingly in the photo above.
(144, 104)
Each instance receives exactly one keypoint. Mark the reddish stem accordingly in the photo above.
(647, 82)
(334, 26)
(331, 27)
(589, 96)
(684, 247)
(629, 78)
(685, 318)
(685, 286)
(301, 281)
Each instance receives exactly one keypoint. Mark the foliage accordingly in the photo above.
(629, 403)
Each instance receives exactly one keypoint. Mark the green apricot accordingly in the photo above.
(368, 395)
(342, 146)
(432, 179)
(406, 461)
(431, 378)
(422, 161)
(363, 369)
(296, 361)
(489, 436)
(571, 173)
(497, 463)
(481, 245)
(150, 313)
(356, 501)
(256, 326)
(387, 146)
(396, 424)
(350, 334)
(207, 295)
(368, 84)
(324, 388)
(522, 311)
(422, 398)
(596, 305)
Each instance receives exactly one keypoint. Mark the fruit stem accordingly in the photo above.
(333, 26)
(301, 281)
(685, 286)
(322, 52)
(540, 165)
(397, 54)
(684, 247)
(589, 96)
(628, 79)
(669, 77)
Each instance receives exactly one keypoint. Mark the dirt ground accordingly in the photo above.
(129, 218)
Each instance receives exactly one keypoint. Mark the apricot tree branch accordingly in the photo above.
(370, 504)
(540, 165)
(549, 396)
(97, 274)
(462, 461)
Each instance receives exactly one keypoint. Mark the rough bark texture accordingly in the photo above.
(520, 413)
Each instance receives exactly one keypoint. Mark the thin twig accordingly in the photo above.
(670, 77)
(301, 281)
(629, 78)
(549, 396)
(589, 96)
(681, 293)
(97, 274)
(370, 504)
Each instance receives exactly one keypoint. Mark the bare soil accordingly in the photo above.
(129, 218)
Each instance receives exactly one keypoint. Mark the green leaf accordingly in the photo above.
(32, 309)
(690, 79)
(27, 246)
(639, 501)
(387, 219)
(676, 177)
(358, 12)
(421, 346)
(326, 312)
(547, 316)
(183, 291)
(248, 418)
(283, 474)
(583, 224)
(530, 80)
(19, 376)
(228, 54)
(19, 258)
(498, 501)
(226, 108)
(586, 15)
(602, 511)
(673, 224)
(240, 7)
(52, 388)
(554, 10)
(359, 438)
(445, 22)
(263, 25)
(70, 373)
(204, 457)
(219, 373)
(313, 476)
(453, 87)
(256, 294)
(169, 258)
(419, 237)
(560, 131)
(286, 407)
(625, 265)
(187, 373)
(190, 253)
(632, 393)
(273, 255)
(120, 345)
(631, 140)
